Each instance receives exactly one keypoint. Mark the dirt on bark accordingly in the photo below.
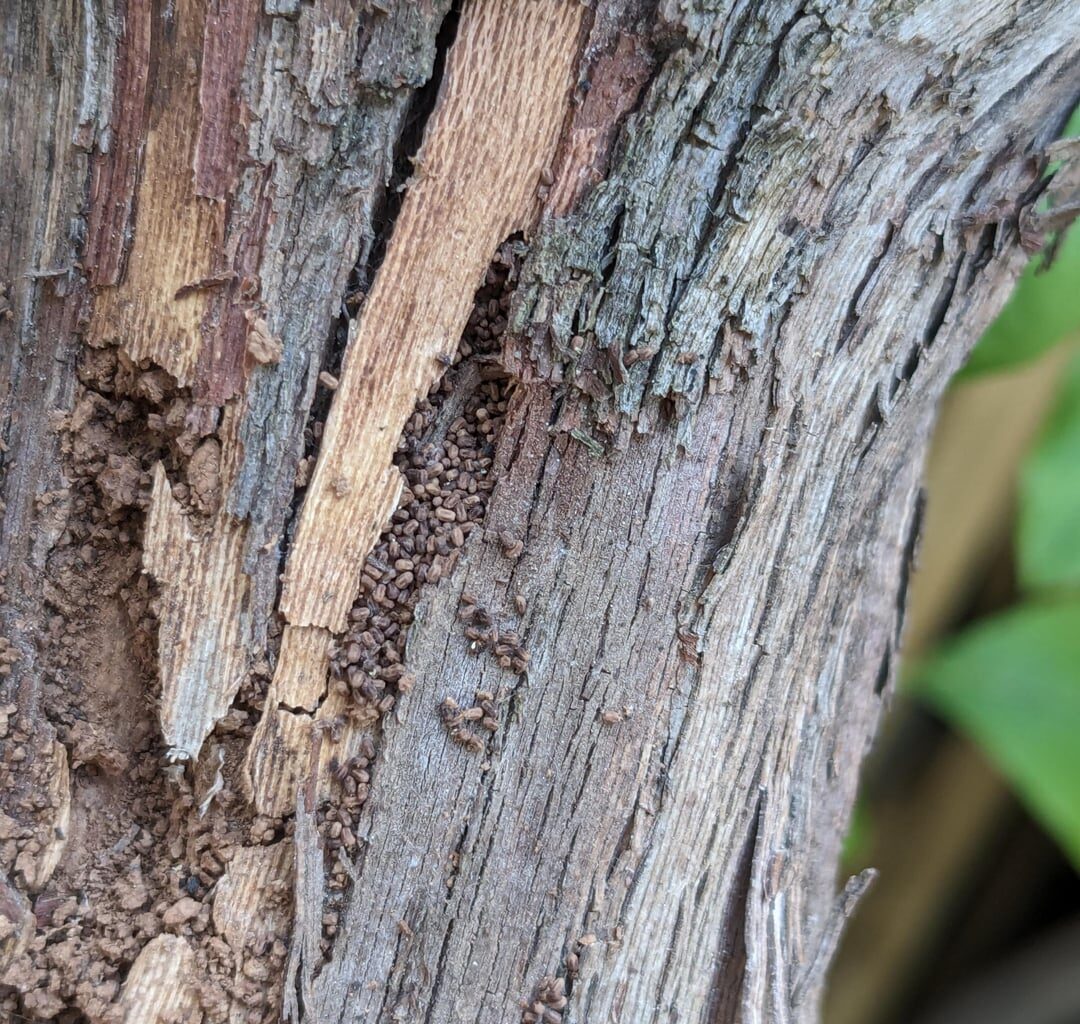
(147, 845)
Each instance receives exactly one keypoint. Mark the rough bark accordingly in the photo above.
(760, 239)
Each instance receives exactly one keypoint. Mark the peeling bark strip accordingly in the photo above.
(230, 25)
(505, 94)
(175, 239)
(204, 643)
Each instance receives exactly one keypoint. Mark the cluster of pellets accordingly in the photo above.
(445, 455)
(484, 635)
(547, 1004)
(352, 778)
(462, 724)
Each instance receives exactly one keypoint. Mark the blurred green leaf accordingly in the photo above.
(1013, 684)
(1048, 529)
(855, 853)
(1044, 308)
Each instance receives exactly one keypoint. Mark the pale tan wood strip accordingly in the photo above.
(204, 624)
(159, 988)
(300, 676)
(279, 756)
(495, 128)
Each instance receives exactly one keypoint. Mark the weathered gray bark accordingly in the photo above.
(729, 353)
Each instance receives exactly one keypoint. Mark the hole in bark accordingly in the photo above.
(884, 668)
(98, 662)
(941, 305)
(906, 371)
(907, 563)
(984, 251)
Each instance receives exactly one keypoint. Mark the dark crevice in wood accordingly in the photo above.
(406, 148)
(729, 976)
(872, 422)
(984, 251)
(907, 369)
(851, 319)
(884, 671)
(908, 560)
(868, 143)
(439, 973)
(940, 309)
(730, 500)
(384, 215)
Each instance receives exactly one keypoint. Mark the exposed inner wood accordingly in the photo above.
(727, 359)
(494, 132)
(175, 238)
(159, 987)
(205, 628)
(504, 97)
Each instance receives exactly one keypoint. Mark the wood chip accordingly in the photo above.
(205, 628)
(159, 987)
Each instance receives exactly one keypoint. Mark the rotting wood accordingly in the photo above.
(37, 868)
(278, 759)
(505, 94)
(159, 987)
(322, 92)
(800, 338)
(254, 896)
(300, 678)
(175, 238)
(504, 97)
(16, 922)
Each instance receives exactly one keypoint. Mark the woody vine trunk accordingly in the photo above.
(460, 478)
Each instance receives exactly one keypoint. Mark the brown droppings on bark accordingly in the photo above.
(734, 431)
(262, 346)
(445, 459)
(204, 476)
(547, 1003)
(494, 128)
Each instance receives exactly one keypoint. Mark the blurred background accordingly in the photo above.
(970, 807)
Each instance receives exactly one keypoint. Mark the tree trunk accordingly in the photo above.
(378, 648)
